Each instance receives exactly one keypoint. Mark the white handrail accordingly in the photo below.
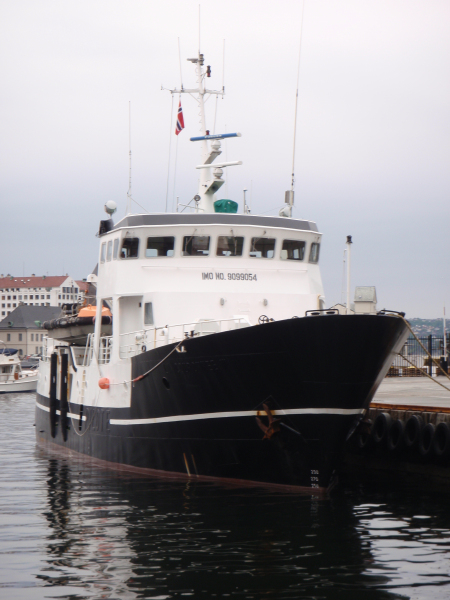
(169, 336)
(199, 322)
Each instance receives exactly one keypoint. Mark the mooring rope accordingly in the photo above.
(153, 368)
(424, 372)
(94, 405)
(423, 347)
(426, 352)
(88, 424)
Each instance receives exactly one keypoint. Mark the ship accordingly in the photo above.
(209, 352)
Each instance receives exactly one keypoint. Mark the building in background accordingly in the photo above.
(38, 291)
(22, 328)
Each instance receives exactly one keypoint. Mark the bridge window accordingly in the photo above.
(130, 248)
(196, 245)
(314, 253)
(160, 246)
(293, 250)
(102, 256)
(229, 246)
(262, 247)
(109, 251)
(116, 248)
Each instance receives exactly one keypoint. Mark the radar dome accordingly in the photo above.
(110, 207)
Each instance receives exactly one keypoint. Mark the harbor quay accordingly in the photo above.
(405, 433)
(419, 393)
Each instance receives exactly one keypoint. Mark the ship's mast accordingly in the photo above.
(210, 179)
(205, 174)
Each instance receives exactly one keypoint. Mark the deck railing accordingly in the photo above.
(45, 350)
(135, 342)
(88, 350)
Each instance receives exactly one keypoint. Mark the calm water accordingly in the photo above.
(71, 530)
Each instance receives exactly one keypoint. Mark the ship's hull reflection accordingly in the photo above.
(112, 535)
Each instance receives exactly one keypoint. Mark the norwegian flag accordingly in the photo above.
(180, 120)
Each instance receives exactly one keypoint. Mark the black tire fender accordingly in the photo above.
(426, 441)
(381, 427)
(441, 442)
(413, 428)
(364, 439)
(395, 438)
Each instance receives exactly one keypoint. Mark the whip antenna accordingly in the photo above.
(223, 87)
(199, 29)
(129, 197)
(170, 147)
(289, 195)
(179, 58)
(129, 159)
(296, 100)
(223, 68)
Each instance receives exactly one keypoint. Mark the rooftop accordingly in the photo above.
(32, 282)
(25, 317)
(213, 219)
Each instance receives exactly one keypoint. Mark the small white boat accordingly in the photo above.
(12, 378)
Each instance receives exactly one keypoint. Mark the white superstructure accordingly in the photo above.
(158, 270)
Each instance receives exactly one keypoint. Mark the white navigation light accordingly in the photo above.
(110, 207)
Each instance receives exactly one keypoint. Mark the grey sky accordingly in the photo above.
(373, 143)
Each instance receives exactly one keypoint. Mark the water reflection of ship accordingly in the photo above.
(138, 537)
(79, 551)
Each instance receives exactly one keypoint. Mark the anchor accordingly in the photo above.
(274, 424)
